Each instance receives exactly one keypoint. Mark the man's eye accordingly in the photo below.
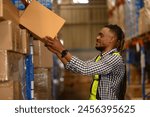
(101, 35)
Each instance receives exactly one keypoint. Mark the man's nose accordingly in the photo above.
(97, 38)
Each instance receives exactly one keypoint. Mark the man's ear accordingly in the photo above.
(113, 39)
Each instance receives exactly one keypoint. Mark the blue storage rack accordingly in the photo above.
(21, 6)
(30, 73)
(29, 76)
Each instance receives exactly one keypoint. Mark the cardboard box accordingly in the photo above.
(144, 23)
(21, 12)
(10, 36)
(41, 21)
(8, 11)
(11, 66)
(25, 38)
(42, 80)
(10, 90)
(42, 57)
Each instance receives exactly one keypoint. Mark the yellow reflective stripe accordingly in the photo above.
(94, 90)
(94, 87)
(95, 83)
(96, 77)
(92, 97)
(116, 53)
(98, 58)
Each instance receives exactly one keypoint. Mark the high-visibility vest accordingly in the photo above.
(95, 82)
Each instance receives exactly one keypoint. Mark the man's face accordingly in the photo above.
(103, 40)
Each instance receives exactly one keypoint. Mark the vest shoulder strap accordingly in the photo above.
(116, 53)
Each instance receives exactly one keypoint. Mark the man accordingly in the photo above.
(107, 69)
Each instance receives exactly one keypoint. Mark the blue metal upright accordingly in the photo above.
(29, 76)
(30, 73)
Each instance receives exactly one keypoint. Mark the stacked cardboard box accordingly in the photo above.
(15, 41)
(12, 65)
(116, 12)
(10, 90)
(12, 70)
(42, 59)
(41, 22)
(10, 36)
(144, 24)
(42, 56)
(44, 23)
(147, 8)
(13, 47)
(8, 11)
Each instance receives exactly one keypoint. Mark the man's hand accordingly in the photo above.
(51, 49)
(54, 45)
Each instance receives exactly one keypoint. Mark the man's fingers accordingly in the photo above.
(47, 41)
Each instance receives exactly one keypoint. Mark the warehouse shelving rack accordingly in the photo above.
(29, 83)
(145, 95)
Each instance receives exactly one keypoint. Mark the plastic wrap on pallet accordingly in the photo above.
(12, 66)
(132, 8)
(8, 11)
(42, 81)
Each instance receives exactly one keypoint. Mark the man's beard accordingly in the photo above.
(100, 48)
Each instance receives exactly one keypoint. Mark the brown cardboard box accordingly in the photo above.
(121, 16)
(10, 90)
(11, 66)
(10, 36)
(42, 57)
(42, 80)
(21, 12)
(25, 41)
(144, 23)
(40, 20)
(8, 11)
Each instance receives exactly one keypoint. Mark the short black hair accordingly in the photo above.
(119, 34)
(117, 30)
